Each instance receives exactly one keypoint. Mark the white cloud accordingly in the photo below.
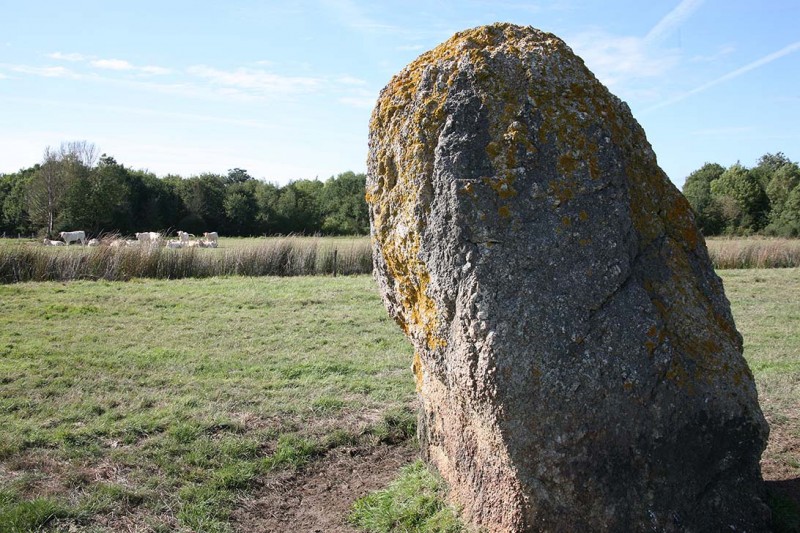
(46, 72)
(255, 80)
(111, 64)
(618, 59)
(151, 69)
(67, 57)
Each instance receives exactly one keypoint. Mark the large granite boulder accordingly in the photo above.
(577, 363)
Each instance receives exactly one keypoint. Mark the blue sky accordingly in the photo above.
(285, 89)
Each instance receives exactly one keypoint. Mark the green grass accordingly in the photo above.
(167, 399)
(412, 503)
(160, 404)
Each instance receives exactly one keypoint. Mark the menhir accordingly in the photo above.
(577, 363)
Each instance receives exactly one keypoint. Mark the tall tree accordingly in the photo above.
(97, 200)
(697, 189)
(739, 185)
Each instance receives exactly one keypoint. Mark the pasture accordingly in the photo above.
(210, 404)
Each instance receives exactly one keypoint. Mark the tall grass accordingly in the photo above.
(754, 252)
(290, 256)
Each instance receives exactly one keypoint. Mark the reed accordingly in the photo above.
(754, 252)
(289, 256)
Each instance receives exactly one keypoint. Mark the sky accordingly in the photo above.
(285, 89)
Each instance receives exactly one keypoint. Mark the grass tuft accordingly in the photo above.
(23, 516)
(413, 502)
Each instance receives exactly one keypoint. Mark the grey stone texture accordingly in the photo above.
(577, 363)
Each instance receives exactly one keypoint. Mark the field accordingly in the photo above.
(268, 403)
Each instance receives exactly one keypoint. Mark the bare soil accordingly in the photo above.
(318, 498)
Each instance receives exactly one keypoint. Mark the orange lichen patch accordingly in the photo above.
(567, 164)
(679, 221)
(469, 188)
(565, 221)
(585, 242)
(583, 216)
(504, 211)
(563, 192)
(503, 186)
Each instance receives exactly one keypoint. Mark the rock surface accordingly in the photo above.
(577, 363)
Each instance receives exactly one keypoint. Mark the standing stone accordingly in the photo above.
(576, 360)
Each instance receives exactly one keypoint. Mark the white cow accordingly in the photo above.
(48, 242)
(175, 244)
(94, 242)
(148, 237)
(211, 236)
(73, 236)
(183, 236)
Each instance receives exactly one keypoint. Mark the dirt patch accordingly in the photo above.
(318, 498)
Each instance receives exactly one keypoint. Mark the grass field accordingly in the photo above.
(158, 405)
(153, 404)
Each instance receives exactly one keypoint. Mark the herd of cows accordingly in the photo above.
(148, 238)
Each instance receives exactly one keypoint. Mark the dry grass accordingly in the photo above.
(290, 256)
(754, 252)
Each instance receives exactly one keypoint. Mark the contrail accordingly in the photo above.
(672, 19)
(786, 50)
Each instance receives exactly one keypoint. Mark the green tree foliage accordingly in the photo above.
(97, 200)
(14, 216)
(740, 190)
(697, 190)
(738, 200)
(68, 191)
(343, 205)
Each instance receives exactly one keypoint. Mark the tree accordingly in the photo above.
(237, 175)
(784, 180)
(697, 189)
(97, 200)
(741, 187)
(344, 208)
(241, 208)
(14, 216)
(299, 207)
(203, 197)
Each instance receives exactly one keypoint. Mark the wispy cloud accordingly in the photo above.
(67, 57)
(111, 64)
(256, 80)
(45, 72)
(619, 59)
(721, 52)
(786, 50)
(672, 20)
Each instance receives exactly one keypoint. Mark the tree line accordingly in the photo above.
(73, 188)
(737, 200)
